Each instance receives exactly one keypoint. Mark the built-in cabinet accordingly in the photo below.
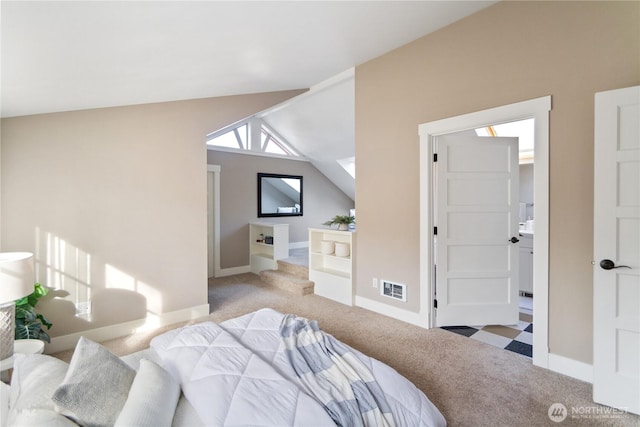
(268, 242)
(330, 263)
(526, 263)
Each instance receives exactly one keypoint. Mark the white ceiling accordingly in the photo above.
(70, 55)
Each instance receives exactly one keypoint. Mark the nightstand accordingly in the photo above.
(23, 347)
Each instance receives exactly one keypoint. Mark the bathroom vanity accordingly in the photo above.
(526, 262)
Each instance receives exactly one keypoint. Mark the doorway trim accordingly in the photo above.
(213, 219)
(537, 109)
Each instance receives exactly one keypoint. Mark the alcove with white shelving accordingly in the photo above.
(330, 263)
(268, 242)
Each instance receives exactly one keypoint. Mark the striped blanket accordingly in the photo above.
(330, 372)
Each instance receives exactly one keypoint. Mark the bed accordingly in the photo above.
(261, 369)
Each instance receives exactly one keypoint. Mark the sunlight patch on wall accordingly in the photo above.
(118, 279)
(71, 272)
(154, 298)
(63, 266)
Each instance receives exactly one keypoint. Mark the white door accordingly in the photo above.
(616, 298)
(476, 219)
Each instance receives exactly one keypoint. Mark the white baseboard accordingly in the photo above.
(67, 342)
(571, 368)
(223, 272)
(390, 311)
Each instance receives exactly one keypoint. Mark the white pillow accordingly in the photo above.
(5, 390)
(41, 418)
(96, 386)
(152, 398)
(35, 377)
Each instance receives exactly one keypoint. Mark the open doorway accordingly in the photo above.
(213, 221)
(483, 255)
(524, 130)
(538, 109)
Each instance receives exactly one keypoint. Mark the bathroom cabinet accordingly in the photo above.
(268, 242)
(330, 264)
(526, 263)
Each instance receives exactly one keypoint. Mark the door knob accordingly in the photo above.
(607, 264)
(514, 239)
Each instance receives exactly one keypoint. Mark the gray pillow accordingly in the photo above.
(152, 399)
(96, 386)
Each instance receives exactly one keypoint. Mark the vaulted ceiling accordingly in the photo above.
(70, 55)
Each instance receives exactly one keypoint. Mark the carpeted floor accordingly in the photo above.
(472, 383)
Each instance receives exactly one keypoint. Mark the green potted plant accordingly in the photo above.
(342, 221)
(29, 324)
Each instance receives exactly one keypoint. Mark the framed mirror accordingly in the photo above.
(279, 195)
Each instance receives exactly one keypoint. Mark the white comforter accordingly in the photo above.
(237, 374)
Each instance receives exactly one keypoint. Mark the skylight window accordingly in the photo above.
(349, 165)
(234, 138)
(239, 138)
(523, 129)
(272, 144)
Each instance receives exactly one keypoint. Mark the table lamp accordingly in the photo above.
(16, 281)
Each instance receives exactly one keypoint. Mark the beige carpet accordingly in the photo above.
(473, 384)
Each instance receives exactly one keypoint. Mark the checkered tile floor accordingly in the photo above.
(517, 338)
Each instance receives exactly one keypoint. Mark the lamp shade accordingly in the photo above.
(16, 275)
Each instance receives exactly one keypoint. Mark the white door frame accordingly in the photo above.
(537, 109)
(213, 224)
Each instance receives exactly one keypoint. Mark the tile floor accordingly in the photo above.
(517, 338)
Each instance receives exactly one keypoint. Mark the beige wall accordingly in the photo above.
(113, 203)
(510, 52)
(239, 199)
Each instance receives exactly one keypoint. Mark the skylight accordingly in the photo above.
(348, 164)
(239, 138)
(272, 144)
(234, 138)
(523, 129)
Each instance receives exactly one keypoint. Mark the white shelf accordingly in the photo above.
(331, 255)
(331, 274)
(263, 244)
(264, 256)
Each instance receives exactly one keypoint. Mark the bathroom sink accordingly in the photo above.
(526, 228)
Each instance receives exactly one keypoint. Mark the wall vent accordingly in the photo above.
(394, 290)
